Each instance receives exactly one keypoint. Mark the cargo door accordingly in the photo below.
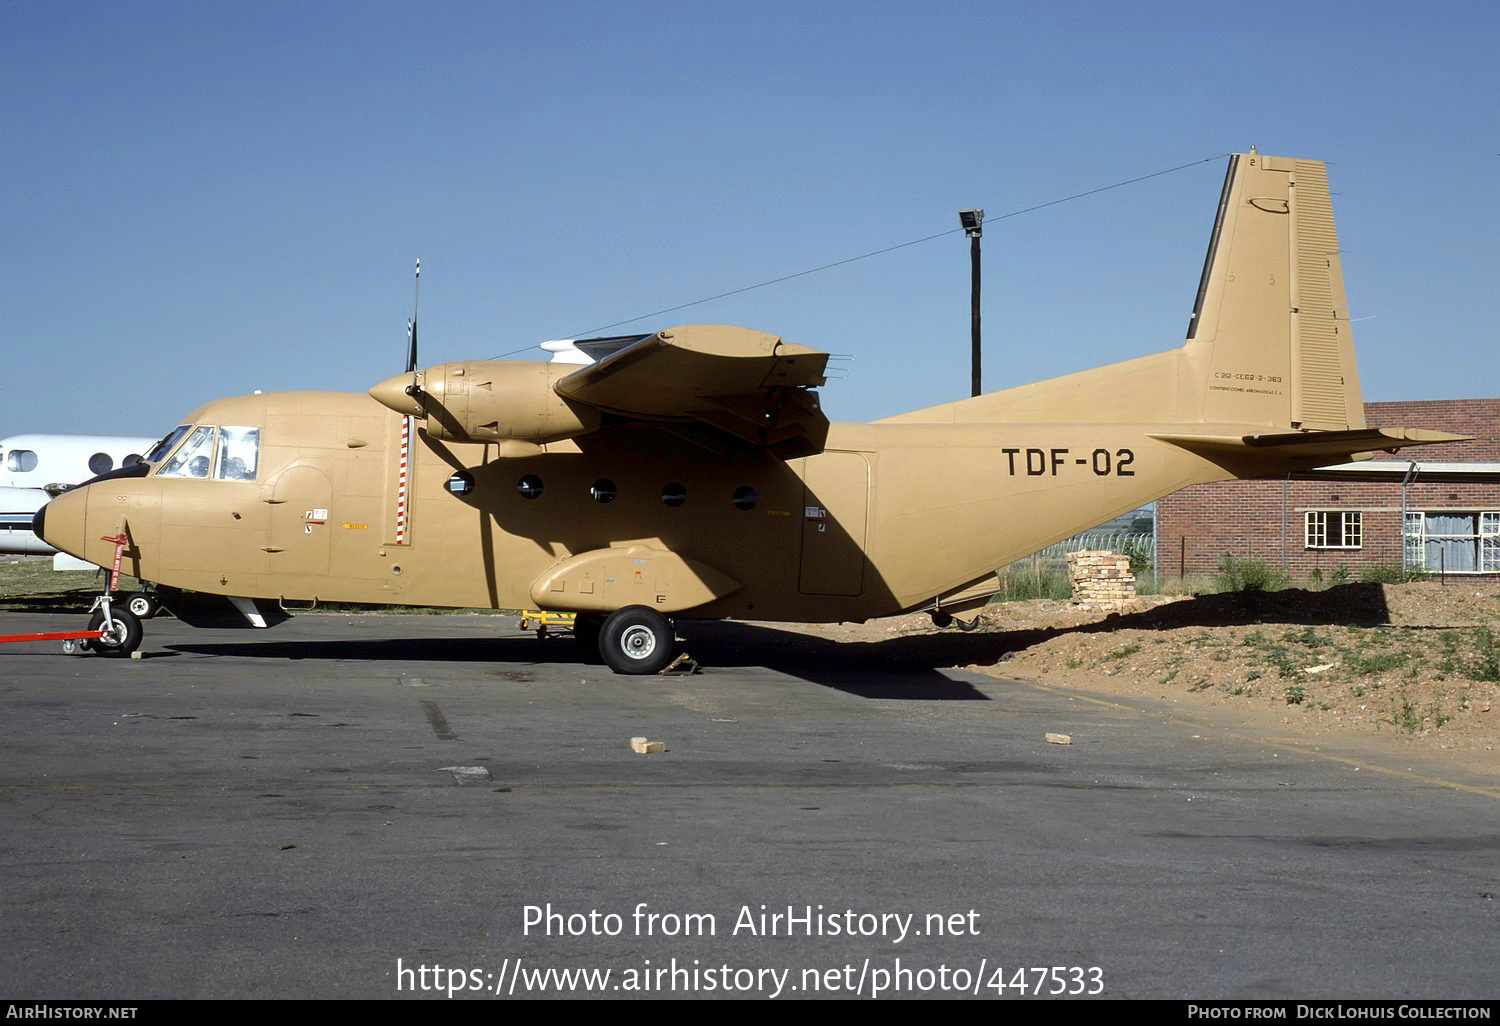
(836, 503)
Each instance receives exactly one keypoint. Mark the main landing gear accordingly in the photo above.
(634, 640)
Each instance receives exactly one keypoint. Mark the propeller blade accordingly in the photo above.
(411, 326)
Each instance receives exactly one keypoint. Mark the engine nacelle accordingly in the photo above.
(491, 401)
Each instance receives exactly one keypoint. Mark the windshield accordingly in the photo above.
(192, 459)
(167, 444)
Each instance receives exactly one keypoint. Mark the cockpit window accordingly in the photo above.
(239, 452)
(194, 456)
(165, 446)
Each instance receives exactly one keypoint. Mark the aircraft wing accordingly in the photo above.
(712, 383)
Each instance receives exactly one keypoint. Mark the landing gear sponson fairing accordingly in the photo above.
(690, 472)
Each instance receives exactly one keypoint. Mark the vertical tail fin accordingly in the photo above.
(1269, 340)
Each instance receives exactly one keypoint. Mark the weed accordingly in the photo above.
(1121, 653)
(1404, 715)
(1249, 574)
(1486, 662)
(1391, 573)
(1379, 662)
(1295, 695)
(1308, 636)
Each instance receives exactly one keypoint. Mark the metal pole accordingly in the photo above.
(1406, 479)
(974, 305)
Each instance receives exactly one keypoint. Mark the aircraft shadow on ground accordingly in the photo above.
(907, 668)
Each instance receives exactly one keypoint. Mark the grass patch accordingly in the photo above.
(1485, 665)
(1032, 579)
(1249, 574)
(1391, 573)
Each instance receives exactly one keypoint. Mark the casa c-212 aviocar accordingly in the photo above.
(690, 473)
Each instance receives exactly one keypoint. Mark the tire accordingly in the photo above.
(637, 640)
(122, 635)
(142, 605)
(586, 629)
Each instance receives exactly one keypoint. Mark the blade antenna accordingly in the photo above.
(411, 333)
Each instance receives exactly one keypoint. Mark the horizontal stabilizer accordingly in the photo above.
(1324, 446)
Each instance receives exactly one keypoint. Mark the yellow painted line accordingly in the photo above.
(1286, 746)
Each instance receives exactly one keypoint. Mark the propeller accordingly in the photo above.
(404, 392)
(414, 390)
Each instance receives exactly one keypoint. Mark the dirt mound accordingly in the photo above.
(1417, 660)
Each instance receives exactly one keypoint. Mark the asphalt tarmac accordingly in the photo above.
(335, 807)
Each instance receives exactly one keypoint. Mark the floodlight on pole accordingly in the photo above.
(972, 222)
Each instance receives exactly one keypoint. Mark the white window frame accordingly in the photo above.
(1315, 529)
(1487, 539)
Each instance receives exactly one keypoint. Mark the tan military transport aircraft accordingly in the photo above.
(690, 473)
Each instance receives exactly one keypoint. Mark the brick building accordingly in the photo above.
(1352, 515)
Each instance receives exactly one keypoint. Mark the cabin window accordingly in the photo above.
(530, 487)
(164, 448)
(461, 483)
(603, 490)
(673, 494)
(1332, 529)
(239, 453)
(192, 457)
(744, 498)
(20, 461)
(101, 463)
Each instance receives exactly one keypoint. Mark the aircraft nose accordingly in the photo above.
(60, 523)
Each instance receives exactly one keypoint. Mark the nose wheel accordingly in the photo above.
(120, 631)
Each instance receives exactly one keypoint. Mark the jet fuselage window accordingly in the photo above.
(239, 453)
(192, 457)
(20, 461)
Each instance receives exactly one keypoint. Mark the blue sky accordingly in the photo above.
(202, 199)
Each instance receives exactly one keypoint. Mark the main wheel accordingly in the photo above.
(122, 634)
(636, 640)
(142, 604)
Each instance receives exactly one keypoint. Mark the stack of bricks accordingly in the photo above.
(1101, 579)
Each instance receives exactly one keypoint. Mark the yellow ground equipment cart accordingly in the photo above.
(545, 623)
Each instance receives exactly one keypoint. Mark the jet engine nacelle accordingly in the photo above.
(490, 401)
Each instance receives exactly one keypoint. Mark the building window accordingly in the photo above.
(20, 461)
(1332, 529)
(1453, 541)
